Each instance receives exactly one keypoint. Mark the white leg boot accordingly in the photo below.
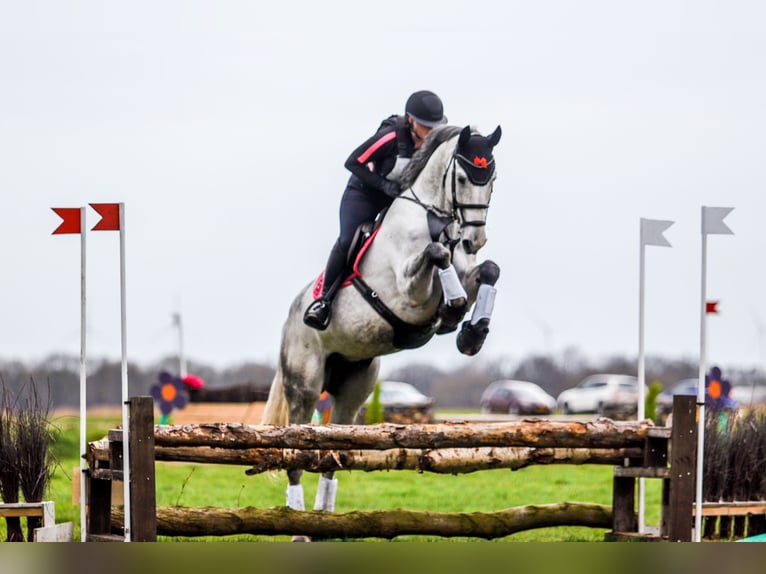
(295, 497)
(326, 491)
(485, 303)
(454, 294)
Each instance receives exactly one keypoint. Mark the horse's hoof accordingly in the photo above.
(471, 338)
(300, 539)
(450, 316)
(438, 255)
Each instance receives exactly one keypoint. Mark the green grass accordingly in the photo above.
(486, 491)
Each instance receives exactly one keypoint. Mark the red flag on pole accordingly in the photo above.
(711, 307)
(71, 220)
(110, 216)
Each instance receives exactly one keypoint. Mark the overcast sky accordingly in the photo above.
(224, 126)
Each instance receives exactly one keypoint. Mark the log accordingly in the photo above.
(214, 521)
(440, 461)
(598, 433)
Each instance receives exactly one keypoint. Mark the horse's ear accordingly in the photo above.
(465, 135)
(495, 137)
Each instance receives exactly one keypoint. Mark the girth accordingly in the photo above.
(406, 335)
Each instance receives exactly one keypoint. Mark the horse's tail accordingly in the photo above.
(276, 411)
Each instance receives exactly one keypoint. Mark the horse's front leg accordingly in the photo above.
(474, 332)
(417, 273)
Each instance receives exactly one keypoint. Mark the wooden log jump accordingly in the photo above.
(599, 433)
(440, 461)
(214, 521)
(637, 449)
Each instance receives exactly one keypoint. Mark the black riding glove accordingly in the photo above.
(391, 188)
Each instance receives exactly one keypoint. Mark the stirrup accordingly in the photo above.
(317, 315)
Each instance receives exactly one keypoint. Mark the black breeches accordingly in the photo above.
(356, 207)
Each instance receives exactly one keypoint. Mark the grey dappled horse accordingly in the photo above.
(417, 278)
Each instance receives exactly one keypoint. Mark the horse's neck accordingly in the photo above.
(430, 185)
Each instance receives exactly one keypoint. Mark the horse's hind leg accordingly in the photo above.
(302, 370)
(352, 382)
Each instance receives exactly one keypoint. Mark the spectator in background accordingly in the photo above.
(717, 391)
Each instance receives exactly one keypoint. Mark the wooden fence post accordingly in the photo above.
(142, 480)
(683, 461)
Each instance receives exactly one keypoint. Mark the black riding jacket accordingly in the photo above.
(372, 161)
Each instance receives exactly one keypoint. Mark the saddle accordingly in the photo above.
(363, 237)
(406, 335)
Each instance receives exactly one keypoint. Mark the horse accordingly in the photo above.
(416, 279)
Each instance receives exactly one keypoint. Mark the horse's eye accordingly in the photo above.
(461, 179)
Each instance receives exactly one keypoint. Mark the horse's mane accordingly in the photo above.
(436, 137)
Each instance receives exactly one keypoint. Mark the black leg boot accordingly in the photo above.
(317, 315)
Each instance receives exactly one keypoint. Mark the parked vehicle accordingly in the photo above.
(402, 403)
(665, 398)
(517, 398)
(748, 396)
(605, 394)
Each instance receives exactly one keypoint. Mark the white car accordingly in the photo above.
(605, 394)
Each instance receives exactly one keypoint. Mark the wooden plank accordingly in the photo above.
(656, 451)
(45, 510)
(18, 509)
(639, 471)
(659, 432)
(624, 505)
(142, 481)
(731, 508)
(118, 494)
(683, 463)
(107, 474)
(99, 507)
(63, 532)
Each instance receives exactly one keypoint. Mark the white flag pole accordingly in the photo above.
(124, 355)
(650, 234)
(701, 392)
(712, 222)
(181, 356)
(83, 384)
(640, 410)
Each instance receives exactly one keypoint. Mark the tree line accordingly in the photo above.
(57, 377)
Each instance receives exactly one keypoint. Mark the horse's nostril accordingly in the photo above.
(467, 245)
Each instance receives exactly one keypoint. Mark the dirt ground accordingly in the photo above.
(246, 413)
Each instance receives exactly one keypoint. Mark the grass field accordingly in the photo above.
(228, 486)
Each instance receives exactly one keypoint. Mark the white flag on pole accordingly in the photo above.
(712, 220)
(651, 232)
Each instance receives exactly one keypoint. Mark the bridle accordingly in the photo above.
(456, 214)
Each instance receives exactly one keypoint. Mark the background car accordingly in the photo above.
(517, 398)
(605, 394)
(402, 403)
(665, 398)
(749, 395)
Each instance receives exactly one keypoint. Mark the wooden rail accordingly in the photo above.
(46, 511)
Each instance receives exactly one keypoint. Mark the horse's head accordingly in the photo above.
(468, 184)
(451, 175)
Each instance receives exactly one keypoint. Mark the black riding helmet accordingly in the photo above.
(425, 108)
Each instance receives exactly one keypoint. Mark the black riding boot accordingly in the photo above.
(317, 315)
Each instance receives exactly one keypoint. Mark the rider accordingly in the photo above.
(376, 167)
